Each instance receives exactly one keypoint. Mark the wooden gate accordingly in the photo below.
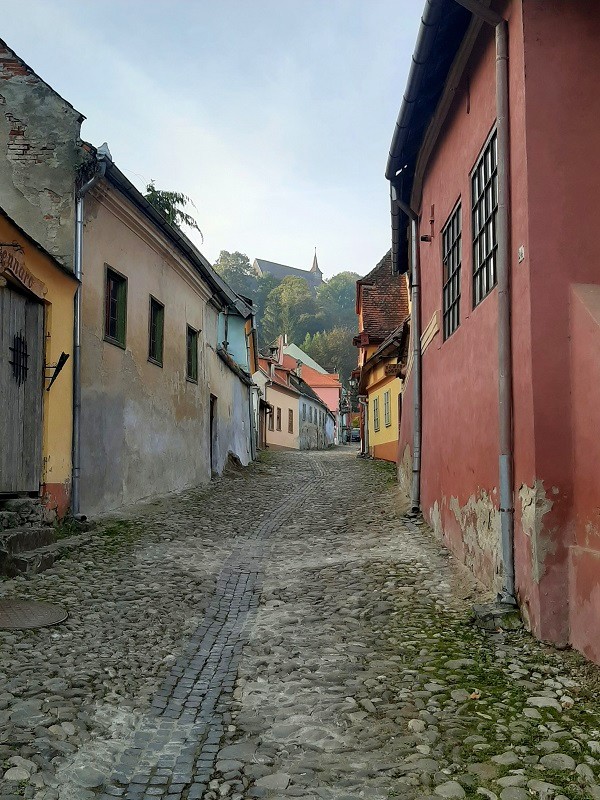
(21, 387)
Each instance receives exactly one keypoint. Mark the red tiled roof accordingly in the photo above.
(381, 300)
(313, 377)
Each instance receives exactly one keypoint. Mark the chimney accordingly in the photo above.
(271, 369)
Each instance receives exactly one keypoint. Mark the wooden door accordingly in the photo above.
(21, 387)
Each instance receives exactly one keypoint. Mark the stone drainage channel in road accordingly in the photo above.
(174, 749)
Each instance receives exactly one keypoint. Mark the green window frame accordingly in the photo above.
(192, 354)
(156, 330)
(115, 307)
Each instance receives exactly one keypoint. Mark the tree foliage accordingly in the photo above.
(337, 299)
(172, 206)
(290, 310)
(322, 323)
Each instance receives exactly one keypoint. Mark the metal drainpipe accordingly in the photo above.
(251, 405)
(507, 511)
(365, 440)
(415, 324)
(76, 446)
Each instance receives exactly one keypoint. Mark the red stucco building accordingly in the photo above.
(494, 175)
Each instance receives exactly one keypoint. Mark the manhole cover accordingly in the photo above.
(22, 614)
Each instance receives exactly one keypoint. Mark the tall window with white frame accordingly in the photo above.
(451, 260)
(484, 196)
(387, 408)
(376, 424)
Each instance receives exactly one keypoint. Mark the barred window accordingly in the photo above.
(278, 419)
(303, 411)
(192, 354)
(290, 420)
(156, 328)
(451, 258)
(387, 408)
(376, 413)
(484, 188)
(115, 307)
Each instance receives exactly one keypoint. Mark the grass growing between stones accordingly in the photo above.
(471, 689)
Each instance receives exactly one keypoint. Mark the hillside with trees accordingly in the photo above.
(321, 323)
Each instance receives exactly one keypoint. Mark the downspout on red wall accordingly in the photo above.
(415, 281)
(505, 421)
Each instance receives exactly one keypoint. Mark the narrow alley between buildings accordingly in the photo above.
(285, 632)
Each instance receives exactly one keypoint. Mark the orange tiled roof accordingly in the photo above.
(313, 377)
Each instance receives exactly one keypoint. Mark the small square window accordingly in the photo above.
(192, 354)
(156, 331)
(115, 308)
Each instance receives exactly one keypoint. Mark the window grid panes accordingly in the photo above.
(278, 419)
(376, 413)
(290, 421)
(484, 192)
(451, 259)
(271, 420)
(387, 411)
(155, 343)
(115, 309)
(192, 355)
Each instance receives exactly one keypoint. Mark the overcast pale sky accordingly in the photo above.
(275, 116)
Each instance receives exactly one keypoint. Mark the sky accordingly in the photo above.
(274, 116)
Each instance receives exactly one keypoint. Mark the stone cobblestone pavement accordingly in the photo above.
(284, 633)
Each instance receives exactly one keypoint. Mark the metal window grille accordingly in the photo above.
(387, 408)
(156, 330)
(192, 354)
(278, 419)
(304, 411)
(115, 307)
(20, 358)
(484, 189)
(451, 259)
(376, 414)
(290, 420)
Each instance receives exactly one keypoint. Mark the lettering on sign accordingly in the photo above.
(393, 369)
(12, 260)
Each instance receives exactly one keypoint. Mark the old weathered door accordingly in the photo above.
(21, 387)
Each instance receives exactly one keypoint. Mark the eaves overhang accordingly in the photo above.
(444, 24)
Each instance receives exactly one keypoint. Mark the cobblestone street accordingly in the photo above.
(283, 633)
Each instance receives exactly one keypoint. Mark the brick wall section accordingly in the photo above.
(40, 156)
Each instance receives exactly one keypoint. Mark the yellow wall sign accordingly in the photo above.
(12, 260)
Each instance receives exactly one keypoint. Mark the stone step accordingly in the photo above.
(19, 512)
(19, 540)
(30, 562)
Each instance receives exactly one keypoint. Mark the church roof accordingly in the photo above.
(281, 271)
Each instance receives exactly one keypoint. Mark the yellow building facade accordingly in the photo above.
(383, 393)
(36, 379)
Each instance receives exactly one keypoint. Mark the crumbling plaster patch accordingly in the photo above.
(534, 507)
(479, 521)
(405, 471)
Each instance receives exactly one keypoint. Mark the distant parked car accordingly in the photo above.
(355, 435)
